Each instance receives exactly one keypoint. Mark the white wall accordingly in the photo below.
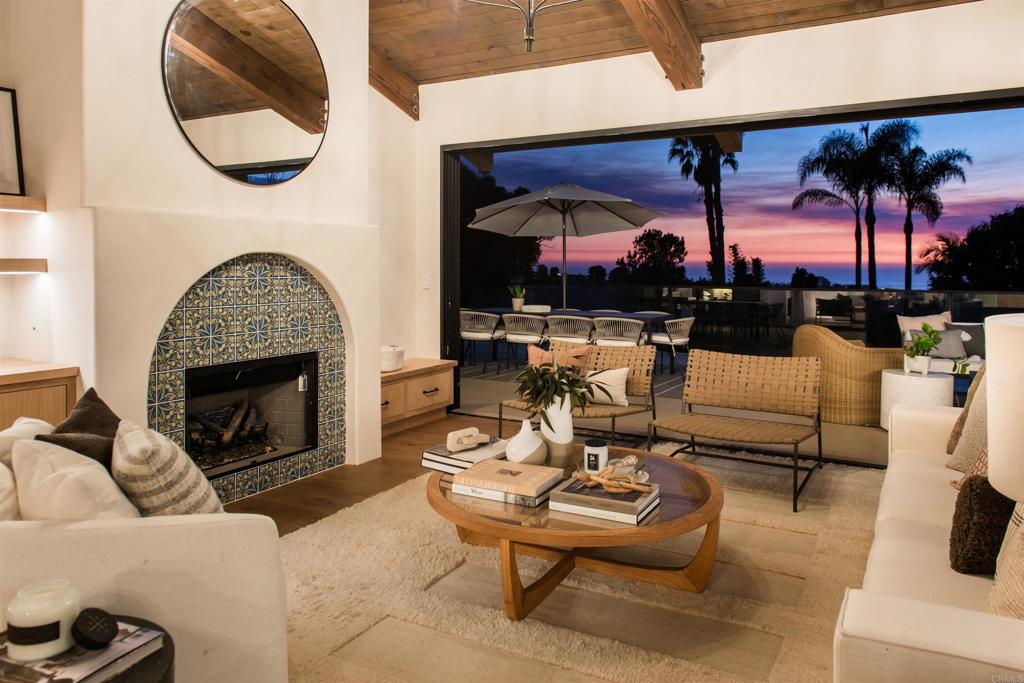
(958, 49)
(250, 137)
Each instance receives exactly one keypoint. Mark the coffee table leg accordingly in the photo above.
(520, 600)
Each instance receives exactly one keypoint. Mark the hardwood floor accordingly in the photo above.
(303, 502)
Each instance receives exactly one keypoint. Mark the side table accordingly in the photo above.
(933, 389)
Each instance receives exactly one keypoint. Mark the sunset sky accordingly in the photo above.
(758, 197)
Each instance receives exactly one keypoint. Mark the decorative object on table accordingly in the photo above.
(602, 497)
(595, 455)
(94, 629)
(39, 620)
(465, 439)
(518, 297)
(139, 652)
(391, 358)
(899, 387)
(614, 482)
(442, 459)
(553, 391)
(12, 177)
(917, 348)
(527, 446)
(625, 464)
(961, 366)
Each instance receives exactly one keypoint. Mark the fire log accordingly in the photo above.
(237, 417)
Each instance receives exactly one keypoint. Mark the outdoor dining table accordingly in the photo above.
(649, 319)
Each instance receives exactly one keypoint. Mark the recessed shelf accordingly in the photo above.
(22, 266)
(19, 204)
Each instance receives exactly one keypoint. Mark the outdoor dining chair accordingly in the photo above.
(619, 332)
(522, 329)
(573, 329)
(476, 326)
(676, 337)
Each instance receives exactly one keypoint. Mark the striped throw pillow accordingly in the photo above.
(157, 476)
(1007, 596)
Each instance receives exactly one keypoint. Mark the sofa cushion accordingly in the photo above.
(905, 457)
(23, 428)
(979, 524)
(8, 495)
(917, 322)
(911, 560)
(951, 344)
(918, 494)
(975, 346)
(1007, 596)
(974, 436)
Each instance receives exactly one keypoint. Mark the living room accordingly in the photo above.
(287, 328)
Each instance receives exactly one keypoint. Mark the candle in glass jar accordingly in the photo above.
(39, 620)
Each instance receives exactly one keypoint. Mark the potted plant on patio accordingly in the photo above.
(917, 348)
(518, 293)
(553, 391)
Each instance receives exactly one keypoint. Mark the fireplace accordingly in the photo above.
(238, 415)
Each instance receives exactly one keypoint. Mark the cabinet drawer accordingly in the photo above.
(45, 403)
(428, 391)
(392, 401)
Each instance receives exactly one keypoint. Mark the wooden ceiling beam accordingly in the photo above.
(394, 84)
(730, 140)
(206, 43)
(668, 31)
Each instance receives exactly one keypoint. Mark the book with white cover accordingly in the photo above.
(609, 515)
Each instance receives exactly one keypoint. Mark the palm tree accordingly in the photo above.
(838, 160)
(703, 159)
(916, 177)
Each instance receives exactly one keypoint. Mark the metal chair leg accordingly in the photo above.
(796, 474)
(613, 430)
(650, 428)
(501, 422)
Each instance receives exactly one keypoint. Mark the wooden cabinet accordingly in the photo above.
(420, 391)
(32, 389)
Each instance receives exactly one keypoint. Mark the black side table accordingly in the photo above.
(156, 668)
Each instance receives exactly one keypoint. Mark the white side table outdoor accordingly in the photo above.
(933, 389)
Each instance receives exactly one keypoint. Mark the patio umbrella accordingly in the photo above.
(562, 210)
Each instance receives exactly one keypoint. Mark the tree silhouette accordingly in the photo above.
(656, 257)
(875, 173)
(703, 159)
(989, 257)
(808, 280)
(745, 272)
(597, 273)
(916, 177)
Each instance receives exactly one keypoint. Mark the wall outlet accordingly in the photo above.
(425, 281)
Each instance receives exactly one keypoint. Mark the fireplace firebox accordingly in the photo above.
(242, 414)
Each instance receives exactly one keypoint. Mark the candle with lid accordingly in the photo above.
(595, 455)
(39, 620)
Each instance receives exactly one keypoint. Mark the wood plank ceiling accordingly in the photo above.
(441, 40)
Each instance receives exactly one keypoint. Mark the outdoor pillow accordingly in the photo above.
(56, 483)
(958, 427)
(974, 437)
(1007, 596)
(575, 355)
(614, 382)
(975, 346)
(8, 495)
(23, 428)
(979, 524)
(916, 322)
(951, 344)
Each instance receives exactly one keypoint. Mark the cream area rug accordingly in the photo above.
(384, 591)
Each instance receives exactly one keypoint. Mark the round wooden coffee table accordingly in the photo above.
(690, 499)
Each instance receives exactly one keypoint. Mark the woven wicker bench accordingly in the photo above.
(764, 384)
(639, 382)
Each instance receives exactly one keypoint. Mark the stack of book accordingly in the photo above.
(443, 460)
(632, 507)
(508, 482)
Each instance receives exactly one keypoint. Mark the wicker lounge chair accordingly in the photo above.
(765, 384)
(639, 383)
(851, 374)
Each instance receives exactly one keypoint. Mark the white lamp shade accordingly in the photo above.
(1004, 373)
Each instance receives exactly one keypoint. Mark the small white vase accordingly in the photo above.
(517, 304)
(526, 447)
(919, 364)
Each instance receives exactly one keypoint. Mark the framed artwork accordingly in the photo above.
(12, 179)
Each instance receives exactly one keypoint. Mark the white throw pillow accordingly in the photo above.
(614, 382)
(916, 322)
(8, 495)
(57, 483)
(23, 428)
(159, 477)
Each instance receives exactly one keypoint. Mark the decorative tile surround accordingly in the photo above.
(253, 306)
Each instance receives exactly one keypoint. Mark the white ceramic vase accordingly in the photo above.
(918, 364)
(526, 446)
(558, 435)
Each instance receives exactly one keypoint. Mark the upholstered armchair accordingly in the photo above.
(851, 374)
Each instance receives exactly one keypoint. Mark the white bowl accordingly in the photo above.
(391, 358)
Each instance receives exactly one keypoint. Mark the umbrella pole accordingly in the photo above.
(564, 274)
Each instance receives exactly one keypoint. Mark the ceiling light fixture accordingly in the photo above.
(529, 12)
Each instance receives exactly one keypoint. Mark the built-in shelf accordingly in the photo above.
(20, 266)
(19, 204)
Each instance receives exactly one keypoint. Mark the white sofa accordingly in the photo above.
(915, 619)
(213, 581)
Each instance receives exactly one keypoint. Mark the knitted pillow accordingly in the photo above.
(979, 524)
(974, 436)
(978, 469)
(1007, 596)
(159, 477)
(958, 428)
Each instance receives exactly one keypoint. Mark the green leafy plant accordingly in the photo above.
(922, 344)
(543, 385)
(517, 291)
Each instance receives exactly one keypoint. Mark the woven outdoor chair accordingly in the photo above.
(639, 383)
(765, 384)
(574, 329)
(522, 329)
(851, 374)
(476, 326)
(618, 332)
(676, 337)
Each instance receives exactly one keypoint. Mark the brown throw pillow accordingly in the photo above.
(979, 524)
(958, 428)
(978, 469)
(99, 448)
(90, 416)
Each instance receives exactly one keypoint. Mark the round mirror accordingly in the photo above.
(247, 86)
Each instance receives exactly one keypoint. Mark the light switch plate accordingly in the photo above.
(425, 281)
